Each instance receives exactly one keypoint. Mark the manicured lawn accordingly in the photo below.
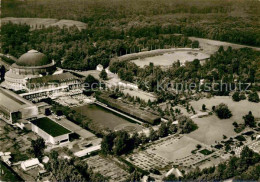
(50, 127)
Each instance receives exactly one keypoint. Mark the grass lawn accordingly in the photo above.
(7, 174)
(212, 128)
(205, 152)
(50, 127)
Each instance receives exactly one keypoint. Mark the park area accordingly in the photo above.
(212, 128)
(167, 59)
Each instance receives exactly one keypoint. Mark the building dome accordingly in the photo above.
(33, 58)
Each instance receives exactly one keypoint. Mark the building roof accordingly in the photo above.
(87, 151)
(53, 78)
(50, 126)
(30, 162)
(174, 171)
(33, 58)
(12, 102)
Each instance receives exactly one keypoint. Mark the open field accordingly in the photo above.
(37, 23)
(212, 128)
(238, 109)
(107, 118)
(168, 59)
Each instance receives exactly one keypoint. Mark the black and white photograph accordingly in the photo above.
(129, 90)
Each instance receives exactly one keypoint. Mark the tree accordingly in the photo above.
(204, 107)
(236, 97)
(122, 143)
(163, 130)
(107, 143)
(91, 82)
(152, 134)
(143, 138)
(222, 111)
(135, 176)
(253, 97)
(2, 72)
(38, 147)
(249, 120)
(170, 177)
(186, 125)
(242, 96)
(103, 74)
(135, 140)
(195, 44)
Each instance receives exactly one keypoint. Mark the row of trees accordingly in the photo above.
(252, 96)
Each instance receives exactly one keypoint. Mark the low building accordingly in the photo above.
(174, 171)
(13, 107)
(50, 131)
(30, 164)
(87, 151)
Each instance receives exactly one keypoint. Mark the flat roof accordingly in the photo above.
(50, 126)
(87, 151)
(11, 101)
(53, 78)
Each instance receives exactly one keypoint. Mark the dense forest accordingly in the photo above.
(233, 21)
(81, 50)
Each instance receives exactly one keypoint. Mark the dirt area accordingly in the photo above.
(37, 23)
(211, 46)
(107, 168)
(168, 58)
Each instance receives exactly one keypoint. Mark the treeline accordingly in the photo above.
(82, 50)
(225, 66)
(232, 21)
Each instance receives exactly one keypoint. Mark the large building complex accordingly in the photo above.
(32, 64)
(13, 107)
(36, 76)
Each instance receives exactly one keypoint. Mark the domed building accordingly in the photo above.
(32, 64)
